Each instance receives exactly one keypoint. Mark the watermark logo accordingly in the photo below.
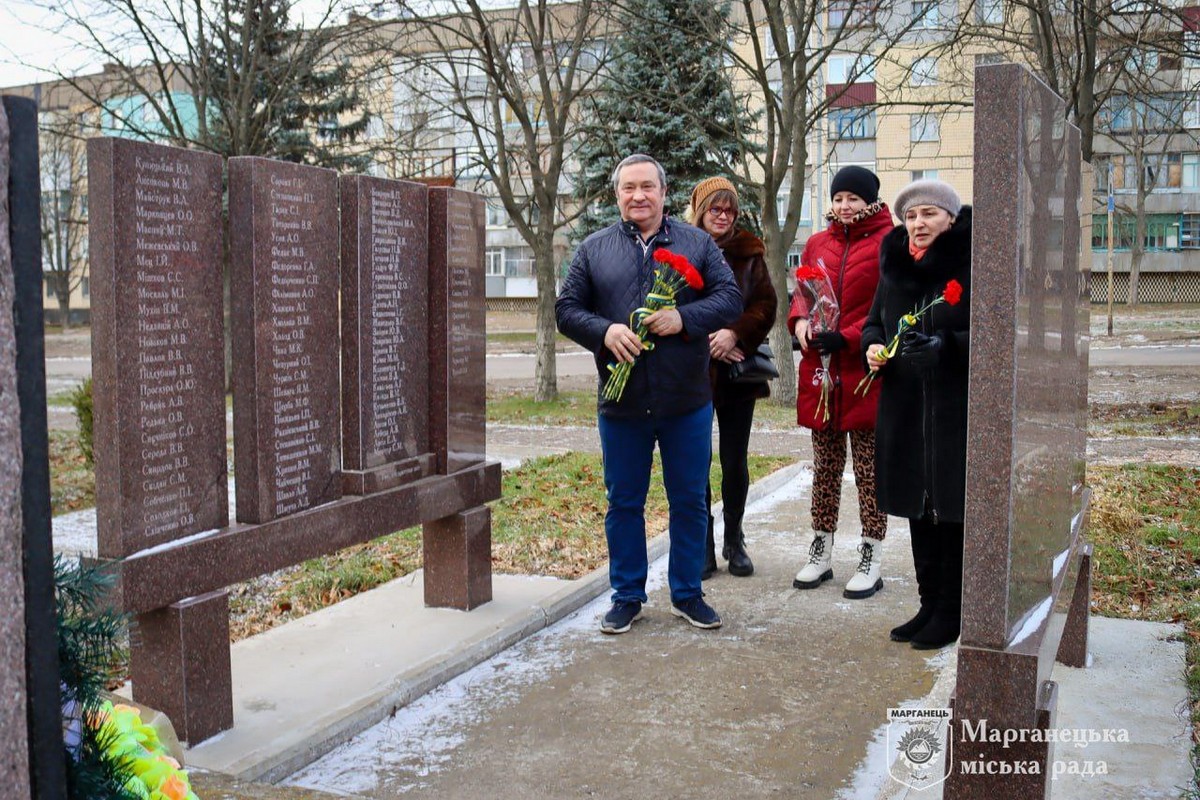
(919, 746)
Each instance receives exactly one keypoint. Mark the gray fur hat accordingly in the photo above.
(928, 193)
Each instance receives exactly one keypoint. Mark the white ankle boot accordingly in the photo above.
(817, 570)
(866, 581)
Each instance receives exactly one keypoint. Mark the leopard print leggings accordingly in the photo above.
(829, 461)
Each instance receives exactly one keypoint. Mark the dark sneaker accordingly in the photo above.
(697, 612)
(621, 616)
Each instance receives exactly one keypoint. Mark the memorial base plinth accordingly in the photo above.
(179, 664)
(987, 767)
(387, 476)
(458, 559)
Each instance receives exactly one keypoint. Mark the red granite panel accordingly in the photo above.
(284, 242)
(457, 328)
(385, 362)
(157, 354)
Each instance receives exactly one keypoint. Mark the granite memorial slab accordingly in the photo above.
(45, 755)
(284, 242)
(1025, 575)
(14, 731)
(155, 242)
(385, 361)
(457, 330)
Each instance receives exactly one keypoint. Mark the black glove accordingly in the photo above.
(920, 350)
(828, 342)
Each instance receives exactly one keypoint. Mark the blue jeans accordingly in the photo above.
(685, 443)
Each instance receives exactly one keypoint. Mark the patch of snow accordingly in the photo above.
(1033, 621)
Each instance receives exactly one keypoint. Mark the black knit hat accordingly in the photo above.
(859, 180)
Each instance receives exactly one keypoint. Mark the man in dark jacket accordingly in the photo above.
(668, 398)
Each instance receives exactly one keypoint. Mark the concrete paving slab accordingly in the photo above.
(308, 685)
(780, 702)
(305, 687)
(1133, 689)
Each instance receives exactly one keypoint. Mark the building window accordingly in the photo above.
(84, 286)
(1163, 232)
(987, 59)
(496, 215)
(924, 72)
(1189, 231)
(49, 288)
(849, 69)
(518, 262)
(923, 175)
(852, 123)
(1190, 179)
(851, 13)
(989, 12)
(495, 261)
(925, 13)
(923, 128)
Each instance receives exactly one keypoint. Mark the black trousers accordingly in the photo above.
(734, 420)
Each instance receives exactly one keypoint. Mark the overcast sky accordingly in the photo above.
(29, 45)
(25, 40)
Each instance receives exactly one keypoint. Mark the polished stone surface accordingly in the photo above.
(286, 417)
(1025, 582)
(457, 553)
(179, 664)
(457, 331)
(157, 578)
(14, 741)
(155, 242)
(385, 359)
(1028, 355)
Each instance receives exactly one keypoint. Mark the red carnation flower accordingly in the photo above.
(953, 292)
(807, 272)
(664, 256)
(684, 267)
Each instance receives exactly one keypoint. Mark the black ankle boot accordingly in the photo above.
(710, 554)
(904, 633)
(941, 630)
(735, 553)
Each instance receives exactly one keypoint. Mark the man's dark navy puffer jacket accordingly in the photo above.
(610, 277)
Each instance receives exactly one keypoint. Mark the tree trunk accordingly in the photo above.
(546, 370)
(64, 308)
(783, 390)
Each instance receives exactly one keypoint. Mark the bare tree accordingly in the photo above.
(64, 207)
(779, 53)
(510, 80)
(233, 77)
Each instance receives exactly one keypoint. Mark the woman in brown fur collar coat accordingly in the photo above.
(714, 209)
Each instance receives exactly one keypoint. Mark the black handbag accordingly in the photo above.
(758, 367)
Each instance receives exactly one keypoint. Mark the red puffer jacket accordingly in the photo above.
(851, 255)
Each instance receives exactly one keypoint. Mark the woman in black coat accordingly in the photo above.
(921, 430)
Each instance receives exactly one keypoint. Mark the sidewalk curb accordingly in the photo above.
(436, 670)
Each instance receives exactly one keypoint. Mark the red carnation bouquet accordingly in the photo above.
(823, 315)
(674, 272)
(951, 295)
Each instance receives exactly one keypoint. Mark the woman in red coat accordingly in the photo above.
(849, 249)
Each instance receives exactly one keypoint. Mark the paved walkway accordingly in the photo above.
(787, 700)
